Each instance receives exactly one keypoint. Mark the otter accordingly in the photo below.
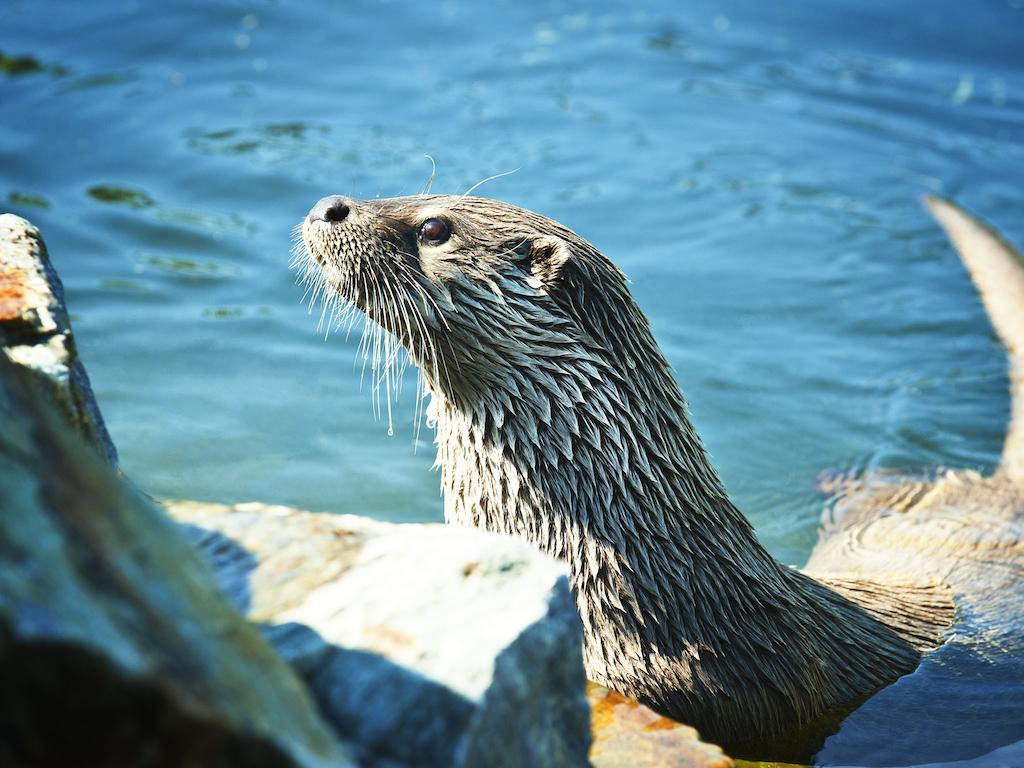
(558, 419)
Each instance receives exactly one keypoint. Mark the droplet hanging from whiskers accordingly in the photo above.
(387, 389)
(394, 332)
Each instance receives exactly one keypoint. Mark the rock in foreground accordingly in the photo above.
(116, 648)
(425, 645)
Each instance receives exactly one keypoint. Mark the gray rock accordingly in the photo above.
(35, 331)
(424, 645)
(116, 647)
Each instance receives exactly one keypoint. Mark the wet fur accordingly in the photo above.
(558, 420)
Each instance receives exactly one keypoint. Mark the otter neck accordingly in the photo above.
(609, 476)
(596, 473)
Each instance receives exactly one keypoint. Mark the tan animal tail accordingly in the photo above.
(998, 273)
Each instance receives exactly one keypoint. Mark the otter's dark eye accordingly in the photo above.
(435, 231)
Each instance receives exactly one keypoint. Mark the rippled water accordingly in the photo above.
(755, 168)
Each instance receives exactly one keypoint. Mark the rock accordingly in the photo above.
(425, 645)
(629, 735)
(116, 647)
(35, 331)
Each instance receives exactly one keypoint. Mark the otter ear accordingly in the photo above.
(548, 257)
(568, 277)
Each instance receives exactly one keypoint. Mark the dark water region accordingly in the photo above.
(755, 167)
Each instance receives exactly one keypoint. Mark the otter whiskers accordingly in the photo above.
(385, 318)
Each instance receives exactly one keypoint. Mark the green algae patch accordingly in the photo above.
(123, 285)
(295, 130)
(109, 193)
(100, 80)
(238, 141)
(189, 268)
(28, 201)
(223, 312)
(16, 66)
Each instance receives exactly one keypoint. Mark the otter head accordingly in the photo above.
(484, 295)
(555, 411)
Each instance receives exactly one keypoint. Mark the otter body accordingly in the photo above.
(558, 420)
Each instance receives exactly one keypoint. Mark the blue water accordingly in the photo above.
(755, 167)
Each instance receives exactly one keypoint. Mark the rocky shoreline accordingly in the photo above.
(194, 633)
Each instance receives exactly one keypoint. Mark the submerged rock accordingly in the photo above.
(424, 645)
(35, 331)
(116, 647)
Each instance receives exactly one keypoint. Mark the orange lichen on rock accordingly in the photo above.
(15, 294)
(626, 733)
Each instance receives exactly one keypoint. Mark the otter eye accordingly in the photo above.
(435, 231)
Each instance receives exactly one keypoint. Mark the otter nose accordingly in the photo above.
(331, 208)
